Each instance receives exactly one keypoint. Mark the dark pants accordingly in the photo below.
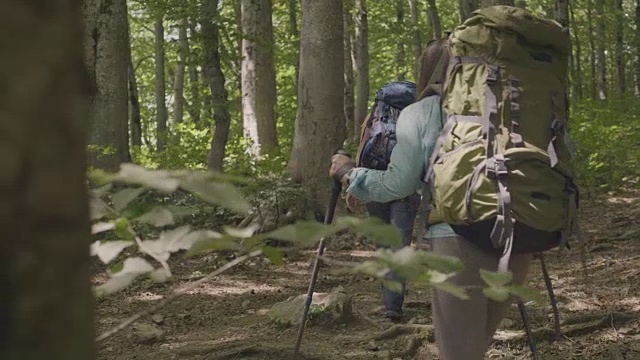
(401, 214)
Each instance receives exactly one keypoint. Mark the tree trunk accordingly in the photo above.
(434, 19)
(135, 121)
(620, 60)
(195, 107)
(361, 70)
(601, 56)
(178, 82)
(577, 78)
(215, 78)
(466, 7)
(46, 307)
(295, 36)
(258, 77)
(349, 98)
(637, 39)
(592, 50)
(161, 105)
(417, 37)
(319, 129)
(401, 54)
(486, 3)
(106, 45)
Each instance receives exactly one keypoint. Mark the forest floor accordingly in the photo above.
(225, 318)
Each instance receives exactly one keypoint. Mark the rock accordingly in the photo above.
(246, 304)
(158, 319)
(372, 346)
(145, 333)
(333, 307)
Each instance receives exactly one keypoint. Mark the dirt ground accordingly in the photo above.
(225, 318)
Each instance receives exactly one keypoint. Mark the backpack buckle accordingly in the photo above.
(496, 167)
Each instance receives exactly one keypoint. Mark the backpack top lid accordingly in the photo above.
(398, 94)
(536, 30)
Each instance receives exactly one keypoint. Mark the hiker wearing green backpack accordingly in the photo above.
(487, 136)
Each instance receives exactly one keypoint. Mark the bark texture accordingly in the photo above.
(46, 309)
(620, 58)
(181, 64)
(319, 129)
(106, 47)
(294, 33)
(161, 104)
(577, 71)
(349, 96)
(361, 47)
(195, 106)
(434, 19)
(637, 40)
(466, 7)
(215, 78)
(258, 76)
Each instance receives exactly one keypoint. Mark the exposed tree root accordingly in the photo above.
(572, 327)
(403, 329)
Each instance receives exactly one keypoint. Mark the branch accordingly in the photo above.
(176, 295)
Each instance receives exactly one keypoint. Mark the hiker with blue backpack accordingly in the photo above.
(485, 144)
(377, 140)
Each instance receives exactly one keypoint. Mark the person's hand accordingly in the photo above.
(340, 166)
(352, 202)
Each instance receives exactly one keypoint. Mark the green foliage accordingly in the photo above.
(606, 135)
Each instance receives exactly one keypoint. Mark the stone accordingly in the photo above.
(334, 307)
(158, 319)
(145, 333)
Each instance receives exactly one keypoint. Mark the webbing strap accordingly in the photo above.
(423, 213)
(514, 98)
(558, 131)
(490, 110)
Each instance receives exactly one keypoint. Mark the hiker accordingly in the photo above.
(464, 328)
(377, 140)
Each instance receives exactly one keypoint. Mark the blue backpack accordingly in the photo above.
(379, 135)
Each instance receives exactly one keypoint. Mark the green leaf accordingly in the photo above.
(526, 294)
(168, 242)
(158, 216)
(136, 210)
(153, 179)
(442, 263)
(496, 293)
(122, 229)
(392, 285)
(123, 197)
(436, 277)
(102, 227)
(109, 250)
(219, 193)
(275, 255)
(379, 232)
(213, 244)
(241, 233)
(102, 190)
(496, 279)
(305, 232)
(451, 289)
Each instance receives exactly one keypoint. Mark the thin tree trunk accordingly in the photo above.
(434, 19)
(215, 78)
(46, 307)
(295, 36)
(195, 107)
(349, 97)
(161, 105)
(577, 79)
(601, 56)
(486, 3)
(319, 130)
(106, 44)
(620, 59)
(592, 50)
(361, 60)
(401, 54)
(637, 39)
(135, 121)
(258, 77)
(417, 37)
(178, 82)
(465, 8)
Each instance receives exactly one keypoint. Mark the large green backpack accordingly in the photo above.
(501, 172)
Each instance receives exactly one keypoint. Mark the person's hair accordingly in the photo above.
(433, 63)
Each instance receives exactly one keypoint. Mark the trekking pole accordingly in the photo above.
(527, 327)
(328, 219)
(552, 298)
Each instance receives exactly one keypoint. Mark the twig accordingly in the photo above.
(175, 295)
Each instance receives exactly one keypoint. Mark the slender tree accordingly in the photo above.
(434, 19)
(106, 45)
(181, 64)
(416, 35)
(593, 90)
(258, 76)
(466, 7)
(577, 71)
(601, 34)
(620, 58)
(349, 97)
(637, 40)
(215, 78)
(161, 104)
(135, 118)
(294, 33)
(46, 307)
(361, 60)
(401, 54)
(319, 129)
